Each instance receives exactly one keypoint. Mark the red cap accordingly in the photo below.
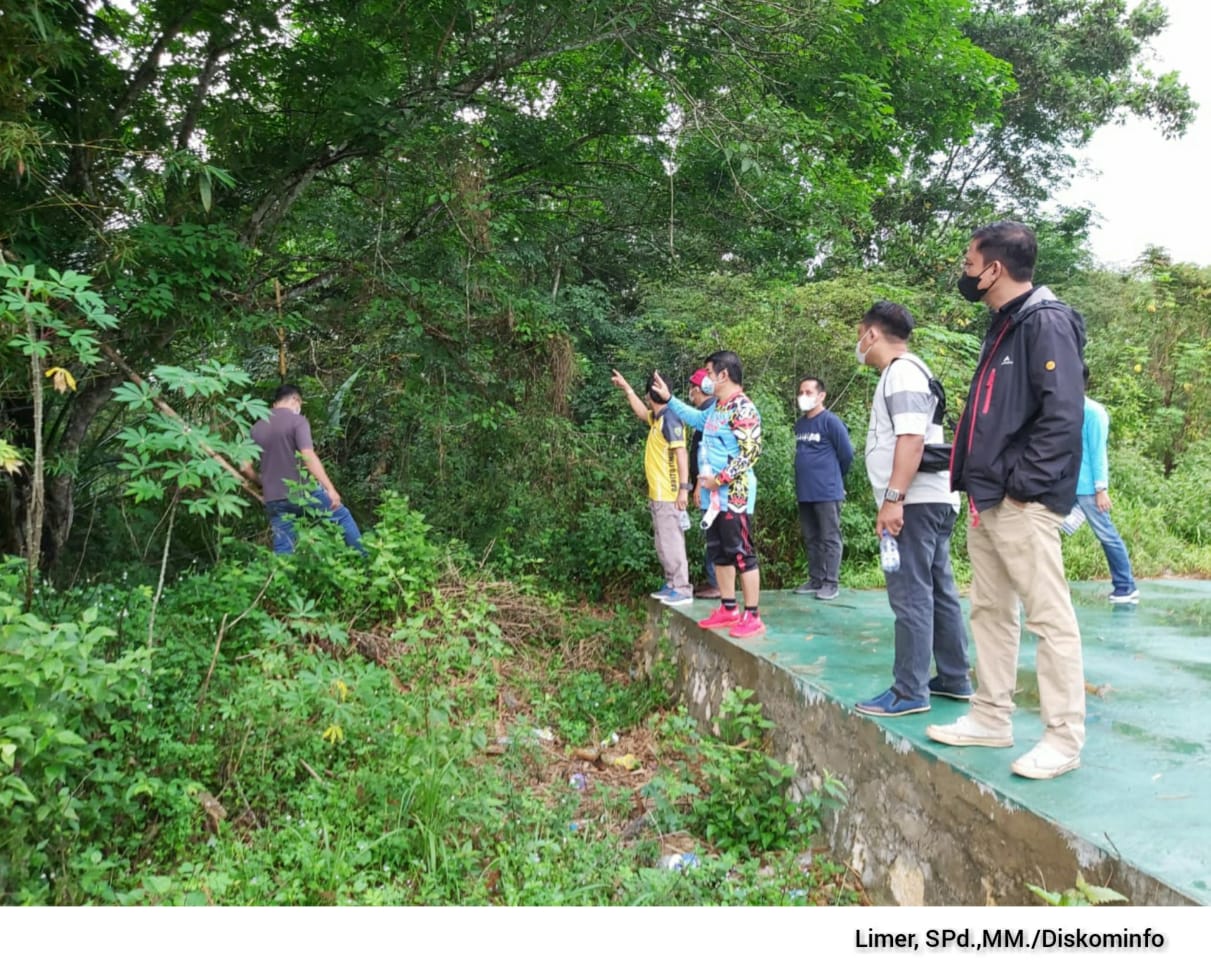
(698, 376)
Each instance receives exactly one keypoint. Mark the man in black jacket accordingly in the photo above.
(1017, 453)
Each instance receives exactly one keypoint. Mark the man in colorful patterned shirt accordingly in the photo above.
(731, 445)
(666, 464)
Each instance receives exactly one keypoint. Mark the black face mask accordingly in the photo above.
(969, 286)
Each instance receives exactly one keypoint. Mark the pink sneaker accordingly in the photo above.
(722, 617)
(750, 626)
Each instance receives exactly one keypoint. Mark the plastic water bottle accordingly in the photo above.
(683, 520)
(1072, 523)
(889, 553)
(712, 511)
(678, 861)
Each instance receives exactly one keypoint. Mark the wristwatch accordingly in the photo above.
(892, 495)
(685, 486)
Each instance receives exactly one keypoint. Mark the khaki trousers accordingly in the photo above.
(1015, 554)
(670, 544)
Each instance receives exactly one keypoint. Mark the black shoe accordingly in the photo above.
(807, 589)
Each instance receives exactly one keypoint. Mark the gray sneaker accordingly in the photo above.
(678, 598)
(830, 591)
(807, 589)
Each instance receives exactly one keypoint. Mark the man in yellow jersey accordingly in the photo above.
(666, 464)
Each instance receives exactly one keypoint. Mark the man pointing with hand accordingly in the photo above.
(731, 445)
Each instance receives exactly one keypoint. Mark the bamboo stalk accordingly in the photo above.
(37, 505)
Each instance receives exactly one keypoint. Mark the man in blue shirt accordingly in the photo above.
(1092, 486)
(710, 589)
(823, 454)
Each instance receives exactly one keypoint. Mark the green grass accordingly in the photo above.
(304, 771)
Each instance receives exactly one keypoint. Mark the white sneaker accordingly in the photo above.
(967, 732)
(1044, 762)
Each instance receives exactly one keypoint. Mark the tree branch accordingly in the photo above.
(277, 202)
(205, 79)
(151, 63)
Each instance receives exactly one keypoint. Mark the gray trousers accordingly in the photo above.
(820, 524)
(670, 544)
(929, 622)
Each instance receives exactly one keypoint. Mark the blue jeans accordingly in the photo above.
(282, 513)
(929, 621)
(1112, 544)
(710, 569)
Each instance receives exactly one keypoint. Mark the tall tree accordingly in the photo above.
(439, 189)
(1078, 65)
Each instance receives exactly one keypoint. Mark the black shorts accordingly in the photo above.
(729, 542)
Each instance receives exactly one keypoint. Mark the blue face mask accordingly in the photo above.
(707, 386)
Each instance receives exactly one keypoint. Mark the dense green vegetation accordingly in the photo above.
(447, 222)
(286, 735)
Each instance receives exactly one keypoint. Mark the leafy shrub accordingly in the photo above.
(1187, 510)
(587, 705)
(64, 711)
(1163, 536)
(1082, 894)
(743, 800)
(403, 564)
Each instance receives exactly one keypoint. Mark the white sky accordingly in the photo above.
(1148, 190)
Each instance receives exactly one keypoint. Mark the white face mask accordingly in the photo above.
(859, 353)
(807, 404)
(707, 386)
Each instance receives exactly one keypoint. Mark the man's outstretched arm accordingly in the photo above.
(637, 406)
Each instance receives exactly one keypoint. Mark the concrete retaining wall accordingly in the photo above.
(916, 830)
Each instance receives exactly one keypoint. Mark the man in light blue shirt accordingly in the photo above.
(1091, 493)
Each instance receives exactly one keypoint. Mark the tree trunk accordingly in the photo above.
(58, 502)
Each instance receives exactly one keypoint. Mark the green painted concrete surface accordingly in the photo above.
(1143, 791)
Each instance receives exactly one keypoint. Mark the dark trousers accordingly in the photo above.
(820, 524)
(926, 604)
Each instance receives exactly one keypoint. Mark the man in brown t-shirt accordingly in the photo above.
(285, 433)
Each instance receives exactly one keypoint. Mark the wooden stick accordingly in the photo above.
(307, 767)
